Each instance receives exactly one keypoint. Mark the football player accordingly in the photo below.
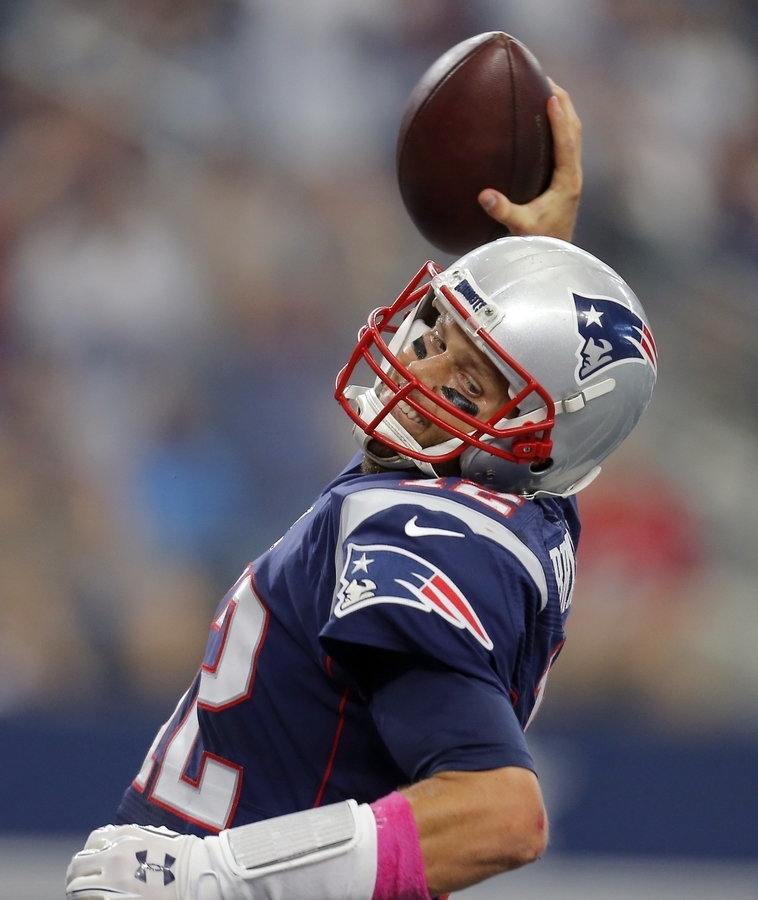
(356, 728)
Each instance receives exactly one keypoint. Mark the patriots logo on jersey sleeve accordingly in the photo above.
(378, 573)
(610, 334)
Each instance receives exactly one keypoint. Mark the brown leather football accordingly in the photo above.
(476, 119)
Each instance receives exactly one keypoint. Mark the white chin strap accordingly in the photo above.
(581, 483)
(369, 406)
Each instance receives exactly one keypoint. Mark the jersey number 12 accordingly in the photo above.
(226, 678)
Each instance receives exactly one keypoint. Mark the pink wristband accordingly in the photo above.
(400, 867)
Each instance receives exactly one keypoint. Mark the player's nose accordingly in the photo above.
(433, 371)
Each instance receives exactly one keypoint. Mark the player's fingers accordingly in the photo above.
(81, 868)
(565, 190)
(85, 884)
(81, 891)
(95, 874)
(567, 140)
(101, 838)
(567, 105)
(565, 121)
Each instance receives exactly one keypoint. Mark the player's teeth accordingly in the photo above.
(409, 411)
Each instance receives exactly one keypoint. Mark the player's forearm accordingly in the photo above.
(473, 825)
(344, 851)
(442, 834)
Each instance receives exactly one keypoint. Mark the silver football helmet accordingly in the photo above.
(566, 331)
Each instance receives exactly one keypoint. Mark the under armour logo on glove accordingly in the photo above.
(145, 866)
(105, 868)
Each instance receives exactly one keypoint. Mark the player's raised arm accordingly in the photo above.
(554, 212)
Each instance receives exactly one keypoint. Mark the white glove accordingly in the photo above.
(328, 853)
(131, 862)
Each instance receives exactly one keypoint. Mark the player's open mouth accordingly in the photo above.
(411, 413)
(403, 412)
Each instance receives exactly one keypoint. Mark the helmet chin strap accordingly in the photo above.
(581, 483)
(369, 406)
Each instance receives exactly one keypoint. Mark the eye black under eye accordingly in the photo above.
(463, 403)
(419, 348)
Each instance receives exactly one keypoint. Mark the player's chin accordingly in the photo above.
(426, 432)
(431, 436)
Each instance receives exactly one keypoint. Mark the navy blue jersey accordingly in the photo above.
(401, 627)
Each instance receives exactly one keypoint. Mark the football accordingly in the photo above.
(476, 119)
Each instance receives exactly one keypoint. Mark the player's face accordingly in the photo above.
(446, 361)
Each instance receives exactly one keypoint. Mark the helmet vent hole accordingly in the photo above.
(544, 466)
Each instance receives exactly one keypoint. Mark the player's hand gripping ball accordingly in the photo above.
(477, 119)
(132, 862)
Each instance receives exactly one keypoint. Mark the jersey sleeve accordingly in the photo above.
(429, 583)
(433, 720)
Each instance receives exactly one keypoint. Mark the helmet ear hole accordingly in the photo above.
(539, 467)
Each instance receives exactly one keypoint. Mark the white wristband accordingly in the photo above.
(328, 853)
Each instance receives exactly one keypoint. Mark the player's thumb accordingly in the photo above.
(497, 205)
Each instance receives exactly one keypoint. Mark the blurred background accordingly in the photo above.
(198, 209)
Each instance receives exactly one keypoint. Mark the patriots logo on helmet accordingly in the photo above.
(610, 334)
(393, 575)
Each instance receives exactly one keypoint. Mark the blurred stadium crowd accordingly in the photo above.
(197, 211)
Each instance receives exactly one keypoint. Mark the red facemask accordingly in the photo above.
(529, 442)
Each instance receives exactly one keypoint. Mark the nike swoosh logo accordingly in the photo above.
(414, 530)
